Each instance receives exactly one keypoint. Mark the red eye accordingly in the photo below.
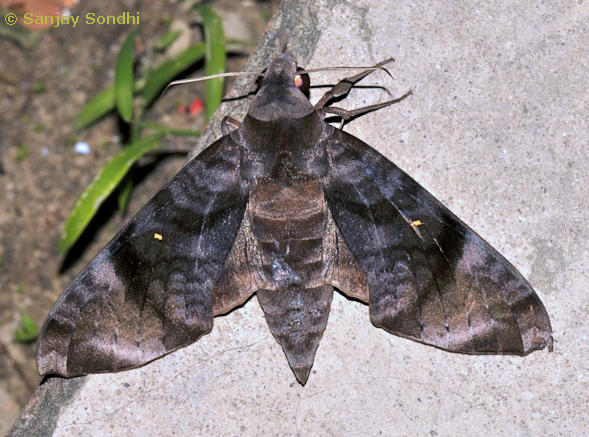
(302, 81)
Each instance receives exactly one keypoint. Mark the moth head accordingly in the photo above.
(283, 71)
(301, 80)
(280, 97)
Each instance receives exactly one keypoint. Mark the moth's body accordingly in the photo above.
(289, 207)
(287, 245)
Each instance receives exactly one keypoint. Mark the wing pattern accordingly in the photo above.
(149, 291)
(430, 277)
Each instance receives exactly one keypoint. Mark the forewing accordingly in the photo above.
(430, 277)
(149, 291)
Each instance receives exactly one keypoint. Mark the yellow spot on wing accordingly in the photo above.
(158, 236)
(416, 223)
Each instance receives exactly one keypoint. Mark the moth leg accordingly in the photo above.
(347, 115)
(229, 124)
(344, 86)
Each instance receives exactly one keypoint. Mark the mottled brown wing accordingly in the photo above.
(430, 277)
(149, 291)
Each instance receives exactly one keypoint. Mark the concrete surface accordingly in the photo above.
(497, 129)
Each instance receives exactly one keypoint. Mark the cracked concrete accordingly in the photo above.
(497, 130)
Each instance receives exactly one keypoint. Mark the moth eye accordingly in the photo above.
(298, 80)
(302, 81)
(260, 79)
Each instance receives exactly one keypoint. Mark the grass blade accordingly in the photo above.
(170, 130)
(96, 108)
(102, 186)
(28, 331)
(215, 57)
(162, 75)
(167, 39)
(124, 78)
(99, 106)
(125, 190)
(105, 102)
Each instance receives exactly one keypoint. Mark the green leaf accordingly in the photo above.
(99, 106)
(125, 189)
(102, 186)
(105, 102)
(124, 77)
(28, 332)
(162, 75)
(170, 130)
(215, 57)
(167, 39)
(96, 108)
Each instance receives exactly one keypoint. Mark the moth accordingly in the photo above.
(289, 207)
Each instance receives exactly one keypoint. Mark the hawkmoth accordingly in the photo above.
(288, 206)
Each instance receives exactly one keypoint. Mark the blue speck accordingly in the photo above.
(82, 148)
